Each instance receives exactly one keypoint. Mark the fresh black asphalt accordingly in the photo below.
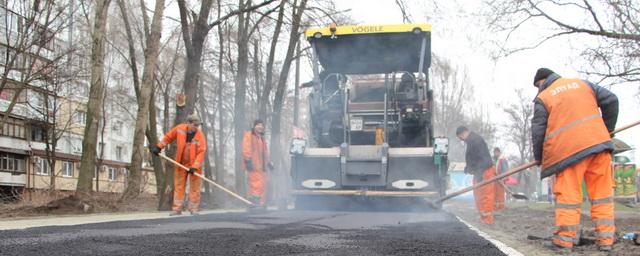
(270, 233)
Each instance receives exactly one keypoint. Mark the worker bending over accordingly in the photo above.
(479, 163)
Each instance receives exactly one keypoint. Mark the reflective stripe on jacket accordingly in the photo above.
(197, 147)
(568, 126)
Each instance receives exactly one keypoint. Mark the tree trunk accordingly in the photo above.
(166, 197)
(276, 145)
(96, 100)
(256, 67)
(193, 43)
(208, 127)
(220, 167)
(268, 83)
(152, 138)
(151, 56)
(239, 114)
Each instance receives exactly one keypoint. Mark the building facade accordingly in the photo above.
(43, 97)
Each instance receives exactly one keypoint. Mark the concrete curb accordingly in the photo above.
(95, 218)
(500, 245)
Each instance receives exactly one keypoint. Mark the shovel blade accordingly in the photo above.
(619, 146)
(519, 196)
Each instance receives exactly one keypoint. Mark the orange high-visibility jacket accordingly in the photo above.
(198, 144)
(254, 148)
(575, 128)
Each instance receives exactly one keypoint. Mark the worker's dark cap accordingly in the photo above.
(542, 73)
(461, 129)
(258, 121)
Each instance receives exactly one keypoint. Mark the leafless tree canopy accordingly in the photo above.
(518, 127)
(607, 32)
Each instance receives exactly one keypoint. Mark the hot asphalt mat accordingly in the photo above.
(271, 233)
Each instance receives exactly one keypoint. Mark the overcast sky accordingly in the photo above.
(459, 34)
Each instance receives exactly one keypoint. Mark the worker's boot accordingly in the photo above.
(175, 213)
(195, 212)
(556, 248)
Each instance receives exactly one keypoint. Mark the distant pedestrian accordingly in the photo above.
(570, 136)
(191, 148)
(479, 164)
(502, 166)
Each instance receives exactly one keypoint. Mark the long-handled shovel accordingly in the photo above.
(511, 172)
(513, 194)
(208, 180)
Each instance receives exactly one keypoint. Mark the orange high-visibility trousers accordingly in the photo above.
(180, 183)
(499, 196)
(596, 172)
(485, 196)
(257, 186)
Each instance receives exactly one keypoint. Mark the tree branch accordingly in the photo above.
(236, 12)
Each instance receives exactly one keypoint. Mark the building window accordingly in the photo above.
(119, 153)
(12, 162)
(13, 128)
(80, 117)
(117, 127)
(37, 133)
(42, 166)
(76, 146)
(113, 174)
(67, 169)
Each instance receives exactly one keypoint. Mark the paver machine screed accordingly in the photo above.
(371, 111)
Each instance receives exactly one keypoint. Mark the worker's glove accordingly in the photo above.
(155, 149)
(192, 170)
(248, 164)
(270, 166)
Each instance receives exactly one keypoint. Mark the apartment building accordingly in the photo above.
(44, 127)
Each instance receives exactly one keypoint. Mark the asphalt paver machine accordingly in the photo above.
(371, 112)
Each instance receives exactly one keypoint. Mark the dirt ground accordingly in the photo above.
(44, 203)
(524, 226)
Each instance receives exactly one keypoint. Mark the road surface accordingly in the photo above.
(267, 233)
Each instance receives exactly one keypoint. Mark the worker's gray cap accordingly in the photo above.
(193, 118)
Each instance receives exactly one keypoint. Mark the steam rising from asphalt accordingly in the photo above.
(363, 204)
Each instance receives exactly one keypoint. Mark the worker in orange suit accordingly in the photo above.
(479, 163)
(502, 166)
(255, 156)
(191, 148)
(570, 136)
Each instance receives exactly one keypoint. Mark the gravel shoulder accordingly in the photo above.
(514, 225)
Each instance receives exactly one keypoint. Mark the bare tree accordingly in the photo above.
(194, 43)
(96, 100)
(151, 56)
(452, 94)
(28, 56)
(276, 140)
(611, 27)
(518, 127)
(264, 97)
(240, 91)
(406, 16)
